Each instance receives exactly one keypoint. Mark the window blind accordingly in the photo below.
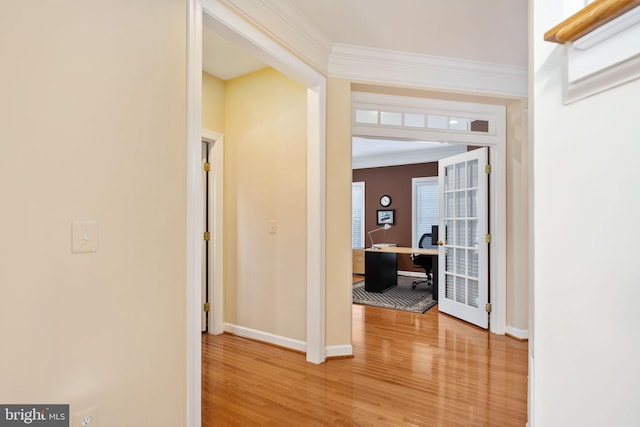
(425, 206)
(357, 215)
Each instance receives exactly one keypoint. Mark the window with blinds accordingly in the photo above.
(357, 215)
(426, 210)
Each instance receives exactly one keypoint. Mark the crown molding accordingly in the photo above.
(433, 72)
(286, 25)
(281, 21)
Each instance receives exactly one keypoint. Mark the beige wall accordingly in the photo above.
(212, 103)
(265, 180)
(338, 213)
(92, 126)
(517, 217)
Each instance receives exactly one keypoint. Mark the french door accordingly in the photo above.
(463, 284)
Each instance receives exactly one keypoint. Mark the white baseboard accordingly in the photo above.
(338, 351)
(254, 334)
(521, 334)
(297, 345)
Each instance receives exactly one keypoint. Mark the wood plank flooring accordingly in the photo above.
(408, 370)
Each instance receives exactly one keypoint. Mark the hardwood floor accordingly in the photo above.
(408, 369)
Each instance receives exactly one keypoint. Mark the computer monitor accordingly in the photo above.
(434, 235)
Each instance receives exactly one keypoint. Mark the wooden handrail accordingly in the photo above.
(588, 19)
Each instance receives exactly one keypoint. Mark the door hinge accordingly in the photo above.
(488, 308)
(487, 169)
(487, 238)
(207, 236)
(207, 306)
(206, 166)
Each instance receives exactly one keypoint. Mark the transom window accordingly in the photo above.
(418, 120)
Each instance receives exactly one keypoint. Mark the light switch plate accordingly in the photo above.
(84, 236)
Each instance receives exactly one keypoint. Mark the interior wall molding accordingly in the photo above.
(607, 57)
(257, 335)
(283, 22)
(521, 334)
(339, 351)
(425, 71)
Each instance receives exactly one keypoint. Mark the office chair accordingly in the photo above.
(423, 261)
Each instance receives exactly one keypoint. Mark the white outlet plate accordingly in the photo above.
(89, 414)
(84, 236)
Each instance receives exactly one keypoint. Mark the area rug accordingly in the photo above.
(402, 297)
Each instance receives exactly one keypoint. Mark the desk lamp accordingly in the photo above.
(384, 227)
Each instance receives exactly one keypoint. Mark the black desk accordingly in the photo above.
(381, 268)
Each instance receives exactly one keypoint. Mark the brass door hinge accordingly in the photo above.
(207, 236)
(488, 308)
(207, 306)
(487, 238)
(487, 169)
(207, 166)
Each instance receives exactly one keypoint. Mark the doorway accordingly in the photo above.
(257, 43)
(413, 118)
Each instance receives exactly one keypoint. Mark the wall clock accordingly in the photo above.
(385, 201)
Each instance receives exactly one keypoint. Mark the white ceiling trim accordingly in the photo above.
(417, 70)
(291, 28)
(423, 156)
(282, 21)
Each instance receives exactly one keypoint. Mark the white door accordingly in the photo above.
(463, 284)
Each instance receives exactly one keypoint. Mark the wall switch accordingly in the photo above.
(84, 236)
(86, 418)
(273, 226)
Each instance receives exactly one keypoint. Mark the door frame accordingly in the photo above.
(239, 31)
(497, 143)
(215, 325)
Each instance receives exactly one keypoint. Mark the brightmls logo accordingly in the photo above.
(34, 415)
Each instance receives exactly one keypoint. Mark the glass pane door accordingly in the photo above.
(463, 258)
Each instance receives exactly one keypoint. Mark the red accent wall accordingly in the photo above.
(396, 182)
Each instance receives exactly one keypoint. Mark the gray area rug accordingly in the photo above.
(402, 297)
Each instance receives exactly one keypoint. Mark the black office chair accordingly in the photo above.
(424, 261)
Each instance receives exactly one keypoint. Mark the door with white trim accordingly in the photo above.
(463, 280)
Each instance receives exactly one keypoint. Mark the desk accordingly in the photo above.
(381, 267)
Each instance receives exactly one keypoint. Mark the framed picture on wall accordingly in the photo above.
(386, 216)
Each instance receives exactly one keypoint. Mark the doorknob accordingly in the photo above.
(440, 243)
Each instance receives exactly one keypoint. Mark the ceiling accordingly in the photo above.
(487, 31)
(223, 59)
(492, 31)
